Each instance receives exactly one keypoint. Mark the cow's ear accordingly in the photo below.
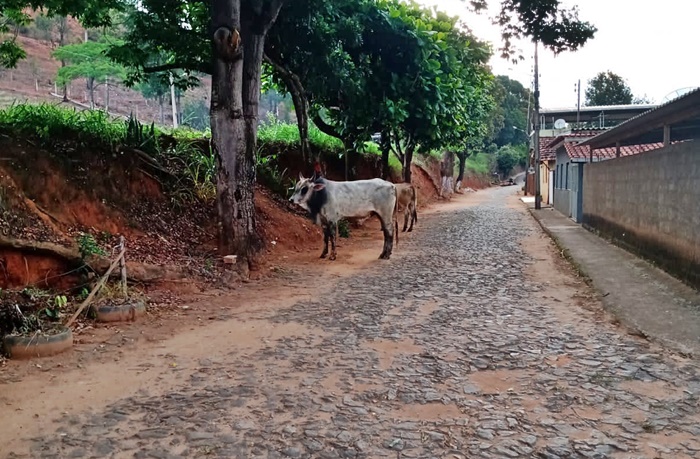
(301, 176)
(319, 186)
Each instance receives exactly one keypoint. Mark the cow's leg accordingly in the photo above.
(388, 239)
(405, 218)
(326, 236)
(413, 218)
(332, 231)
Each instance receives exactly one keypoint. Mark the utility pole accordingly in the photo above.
(536, 137)
(578, 104)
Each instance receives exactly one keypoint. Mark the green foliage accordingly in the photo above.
(545, 21)
(480, 164)
(274, 132)
(51, 124)
(197, 170)
(11, 19)
(270, 175)
(88, 246)
(87, 60)
(90, 13)
(140, 136)
(509, 116)
(195, 114)
(510, 156)
(608, 88)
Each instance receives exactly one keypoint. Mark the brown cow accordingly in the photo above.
(407, 199)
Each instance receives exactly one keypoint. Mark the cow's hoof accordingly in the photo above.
(323, 255)
(410, 230)
(331, 258)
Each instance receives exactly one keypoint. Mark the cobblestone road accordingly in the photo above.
(447, 351)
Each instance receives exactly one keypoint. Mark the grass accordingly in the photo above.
(287, 134)
(480, 164)
(48, 123)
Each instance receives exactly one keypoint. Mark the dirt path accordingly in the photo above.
(473, 341)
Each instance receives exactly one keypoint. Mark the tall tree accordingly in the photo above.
(91, 13)
(226, 39)
(510, 112)
(608, 88)
(87, 60)
(543, 21)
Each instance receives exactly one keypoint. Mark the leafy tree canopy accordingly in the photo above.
(87, 60)
(608, 88)
(545, 21)
(91, 13)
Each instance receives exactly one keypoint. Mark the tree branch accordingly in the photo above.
(200, 67)
(325, 127)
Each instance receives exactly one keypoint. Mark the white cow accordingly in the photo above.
(328, 201)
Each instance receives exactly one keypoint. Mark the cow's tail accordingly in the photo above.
(415, 205)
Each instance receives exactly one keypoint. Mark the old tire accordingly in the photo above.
(25, 347)
(129, 311)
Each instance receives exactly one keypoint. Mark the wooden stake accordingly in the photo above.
(96, 288)
(122, 264)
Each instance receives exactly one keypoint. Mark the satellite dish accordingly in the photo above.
(676, 94)
(560, 124)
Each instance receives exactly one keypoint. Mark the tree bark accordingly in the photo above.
(238, 38)
(161, 109)
(462, 156)
(91, 88)
(408, 158)
(301, 105)
(385, 147)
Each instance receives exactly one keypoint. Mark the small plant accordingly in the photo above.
(343, 228)
(140, 136)
(87, 245)
(270, 175)
(84, 292)
(53, 310)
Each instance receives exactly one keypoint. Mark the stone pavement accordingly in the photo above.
(451, 349)
(641, 295)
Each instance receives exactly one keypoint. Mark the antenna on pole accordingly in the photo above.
(578, 104)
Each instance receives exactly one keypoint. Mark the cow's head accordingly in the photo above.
(305, 189)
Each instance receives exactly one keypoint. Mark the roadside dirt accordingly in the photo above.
(188, 323)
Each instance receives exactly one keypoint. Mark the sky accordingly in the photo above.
(652, 47)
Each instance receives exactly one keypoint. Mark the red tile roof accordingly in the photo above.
(582, 152)
(549, 145)
(546, 153)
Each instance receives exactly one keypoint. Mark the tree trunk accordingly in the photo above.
(301, 110)
(107, 95)
(161, 110)
(385, 147)
(301, 105)
(462, 166)
(234, 120)
(227, 127)
(408, 158)
(91, 88)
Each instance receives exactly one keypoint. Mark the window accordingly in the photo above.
(566, 185)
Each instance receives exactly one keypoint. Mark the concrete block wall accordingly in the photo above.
(650, 204)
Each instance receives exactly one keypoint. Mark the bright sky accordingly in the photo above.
(651, 45)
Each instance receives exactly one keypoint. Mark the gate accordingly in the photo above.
(576, 192)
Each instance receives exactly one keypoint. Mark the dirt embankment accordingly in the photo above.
(50, 197)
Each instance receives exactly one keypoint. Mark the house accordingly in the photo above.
(548, 156)
(570, 159)
(641, 186)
